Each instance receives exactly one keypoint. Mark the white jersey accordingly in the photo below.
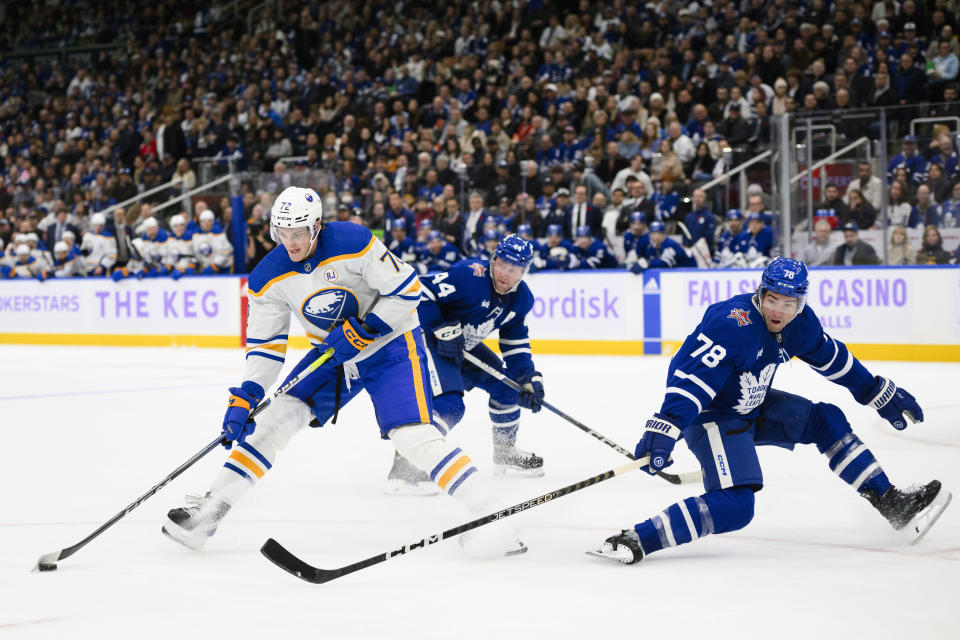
(100, 250)
(156, 252)
(351, 273)
(29, 269)
(72, 267)
(212, 249)
(180, 250)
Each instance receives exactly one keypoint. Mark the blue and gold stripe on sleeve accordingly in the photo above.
(274, 348)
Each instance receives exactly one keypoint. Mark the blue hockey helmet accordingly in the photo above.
(785, 276)
(554, 230)
(583, 231)
(638, 216)
(426, 224)
(435, 235)
(515, 250)
(656, 226)
(525, 230)
(491, 234)
(734, 214)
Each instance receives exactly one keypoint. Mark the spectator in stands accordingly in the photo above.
(700, 167)
(820, 251)
(854, 251)
(860, 212)
(931, 250)
(945, 67)
(950, 209)
(900, 251)
(898, 207)
(581, 213)
(869, 185)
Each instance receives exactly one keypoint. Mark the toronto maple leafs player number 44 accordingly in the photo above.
(459, 309)
(719, 400)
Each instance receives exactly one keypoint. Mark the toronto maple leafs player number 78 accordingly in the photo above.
(719, 400)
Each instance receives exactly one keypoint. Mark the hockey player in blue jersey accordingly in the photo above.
(661, 252)
(756, 242)
(557, 253)
(487, 249)
(724, 254)
(353, 297)
(458, 311)
(635, 238)
(437, 255)
(719, 400)
(591, 252)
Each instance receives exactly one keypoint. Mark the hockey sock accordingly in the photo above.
(506, 420)
(447, 411)
(850, 459)
(240, 472)
(696, 517)
(449, 467)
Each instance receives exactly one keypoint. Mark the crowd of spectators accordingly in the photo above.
(567, 115)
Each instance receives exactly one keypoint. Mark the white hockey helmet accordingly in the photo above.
(296, 207)
(150, 223)
(61, 247)
(22, 250)
(207, 214)
(177, 220)
(98, 219)
(69, 234)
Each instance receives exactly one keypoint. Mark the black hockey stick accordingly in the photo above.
(278, 555)
(48, 561)
(688, 477)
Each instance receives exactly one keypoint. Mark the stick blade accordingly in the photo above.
(48, 561)
(278, 555)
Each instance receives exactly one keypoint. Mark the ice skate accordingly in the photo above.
(405, 479)
(912, 511)
(195, 523)
(509, 461)
(492, 541)
(624, 547)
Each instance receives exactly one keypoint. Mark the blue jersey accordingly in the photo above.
(465, 294)
(916, 165)
(596, 256)
(562, 257)
(923, 217)
(665, 204)
(760, 243)
(667, 255)
(727, 363)
(635, 244)
(428, 261)
(405, 249)
(700, 224)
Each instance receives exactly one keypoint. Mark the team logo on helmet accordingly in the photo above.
(327, 307)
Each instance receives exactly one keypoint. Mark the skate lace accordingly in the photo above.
(195, 499)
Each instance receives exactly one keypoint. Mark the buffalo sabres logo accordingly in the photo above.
(742, 317)
(327, 307)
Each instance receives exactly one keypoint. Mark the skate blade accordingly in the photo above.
(508, 471)
(178, 534)
(415, 489)
(616, 556)
(917, 528)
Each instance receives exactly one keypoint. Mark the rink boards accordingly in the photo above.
(884, 313)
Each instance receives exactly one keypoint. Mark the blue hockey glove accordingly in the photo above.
(659, 437)
(347, 341)
(450, 342)
(531, 391)
(236, 423)
(895, 405)
(117, 275)
(638, 266)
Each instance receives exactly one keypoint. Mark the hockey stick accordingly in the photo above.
(277, 554)
(688, 477)
(48, 561)
(689, 236)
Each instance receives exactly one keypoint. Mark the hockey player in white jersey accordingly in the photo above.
(180, 248)
(65, 263)
(154, 249)
(352, 296)
(99, 247)
(213, 251)
(23, 265)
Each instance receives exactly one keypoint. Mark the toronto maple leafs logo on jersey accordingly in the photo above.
(326, 307)
(474, 335)
(753, 389)
(742, 317)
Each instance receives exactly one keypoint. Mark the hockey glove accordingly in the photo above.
(531, 391)
(347, 341)
(236, 423)
(659, 437)
(895, 405)
(638, 266)
(450, 342)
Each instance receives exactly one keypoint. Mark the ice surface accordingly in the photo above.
(87, 430)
